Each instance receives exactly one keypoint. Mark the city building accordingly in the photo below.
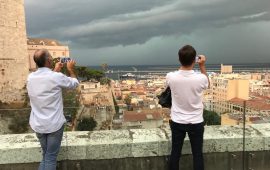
(266, 76)
(226, 87)
(13, 52)
(261, 87)
(142, 119)
(258, 105)
(237, 119)
(90, 85)
(55, 48)
(224, 69)
(256, 76)
(207, 99)
(231, 119)
(92, 93)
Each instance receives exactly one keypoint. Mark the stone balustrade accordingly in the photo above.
(135, 143)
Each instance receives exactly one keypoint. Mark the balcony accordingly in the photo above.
(145, 149)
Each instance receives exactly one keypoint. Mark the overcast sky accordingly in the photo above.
(135, 32)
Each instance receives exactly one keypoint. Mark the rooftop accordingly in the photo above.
(256, 103)
(43, 41)
(144, 115)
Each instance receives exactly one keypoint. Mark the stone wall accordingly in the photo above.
(146, 149)
(13, 51)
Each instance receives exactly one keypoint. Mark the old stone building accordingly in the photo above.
(13, 51)
(55, 48)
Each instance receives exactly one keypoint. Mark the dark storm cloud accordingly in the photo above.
(104, 23)
(46, 16)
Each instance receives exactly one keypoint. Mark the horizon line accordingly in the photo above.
(175, 64)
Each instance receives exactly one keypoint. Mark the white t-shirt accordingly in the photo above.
(187, 89)
(44, 88)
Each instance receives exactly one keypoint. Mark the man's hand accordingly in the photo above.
(71, 64)
(70, 68)
(202, 60)
(58, 66)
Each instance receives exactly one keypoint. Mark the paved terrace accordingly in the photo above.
(141, 149)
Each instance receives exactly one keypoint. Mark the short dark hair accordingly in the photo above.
(40, 57)
(187, 55)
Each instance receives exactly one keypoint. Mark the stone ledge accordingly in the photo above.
(98, 145)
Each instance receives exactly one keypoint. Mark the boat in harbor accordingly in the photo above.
(128, 76)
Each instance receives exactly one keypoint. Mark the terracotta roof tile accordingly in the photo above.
(258, 104)
(134, 116)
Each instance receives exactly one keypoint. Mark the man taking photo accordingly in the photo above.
(47, 119)
(187, 108)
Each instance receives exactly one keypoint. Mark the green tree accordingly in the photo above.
(94, 74)
(87, 73)
(71, 102)
(81, 71)
(87, 124)
(211, 118)
(105, 81)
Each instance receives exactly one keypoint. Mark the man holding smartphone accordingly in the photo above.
(47, 119)
(187, 108)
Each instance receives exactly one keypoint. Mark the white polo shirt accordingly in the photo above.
(44, 88)
(187, 89)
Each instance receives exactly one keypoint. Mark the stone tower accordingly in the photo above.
(13, 51)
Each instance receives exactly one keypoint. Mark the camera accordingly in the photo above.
(64, 59)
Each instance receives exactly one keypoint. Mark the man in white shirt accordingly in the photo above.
(44, 88)
(187, 108)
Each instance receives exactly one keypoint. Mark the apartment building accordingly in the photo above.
(261, 87)
(226, 87)
(224, 69)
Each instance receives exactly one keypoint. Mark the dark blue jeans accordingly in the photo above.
(195, 134)
(50, 144)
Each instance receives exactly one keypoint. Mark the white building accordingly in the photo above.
(260, 87)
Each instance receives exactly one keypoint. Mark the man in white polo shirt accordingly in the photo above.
(44, 88)
(187, 108)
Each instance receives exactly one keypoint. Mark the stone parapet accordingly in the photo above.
(135, 143)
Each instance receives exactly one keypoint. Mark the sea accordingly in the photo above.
(148, 71)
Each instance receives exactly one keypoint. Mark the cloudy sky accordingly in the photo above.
(135, 32)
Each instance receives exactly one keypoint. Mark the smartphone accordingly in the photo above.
(197, 59)
(65, 59)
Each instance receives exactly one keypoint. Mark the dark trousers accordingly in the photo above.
(195, 134)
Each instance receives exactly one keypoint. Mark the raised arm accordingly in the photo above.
(70, 68)
(201, 62)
